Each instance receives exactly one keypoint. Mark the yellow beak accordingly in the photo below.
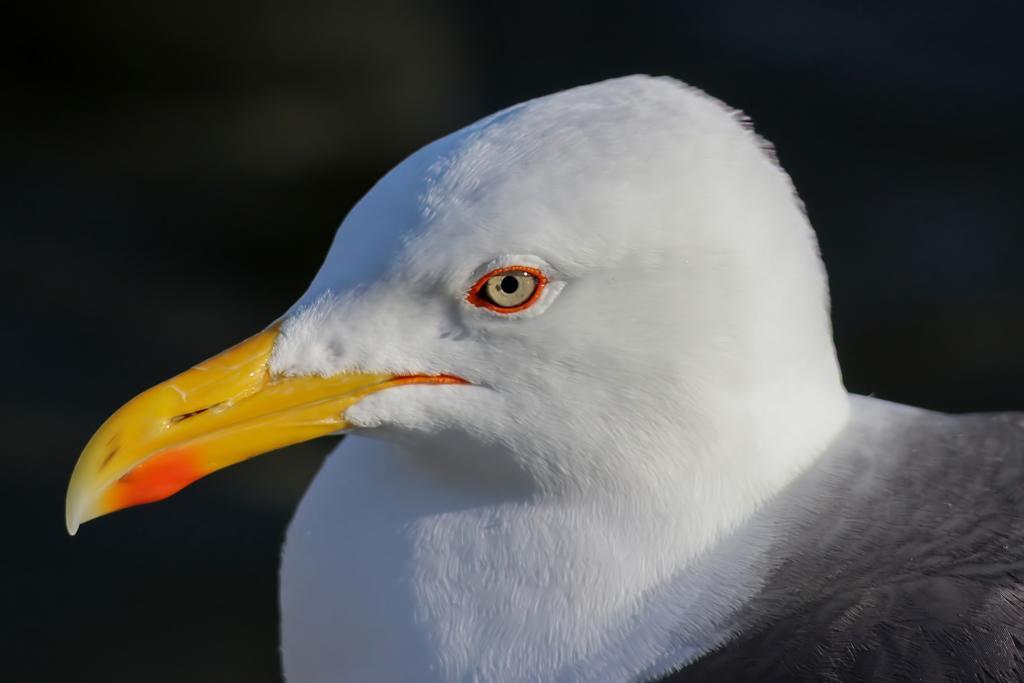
(225, 410)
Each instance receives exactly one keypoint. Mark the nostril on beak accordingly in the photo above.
(184, 416)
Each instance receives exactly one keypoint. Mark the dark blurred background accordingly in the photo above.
(173, 172)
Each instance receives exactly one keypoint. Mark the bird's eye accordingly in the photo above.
(508, 290)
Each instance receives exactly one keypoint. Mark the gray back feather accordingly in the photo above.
(903, 559)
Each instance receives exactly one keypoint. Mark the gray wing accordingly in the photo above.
(911, 567)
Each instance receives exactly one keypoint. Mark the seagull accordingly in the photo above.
(596, 429)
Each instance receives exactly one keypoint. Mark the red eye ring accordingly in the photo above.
(477, 297)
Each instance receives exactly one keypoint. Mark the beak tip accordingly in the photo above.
(73, 516)
(72, 522)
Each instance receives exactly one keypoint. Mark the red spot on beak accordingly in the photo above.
(156, 478)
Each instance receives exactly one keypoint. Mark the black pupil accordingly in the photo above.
(509, 284)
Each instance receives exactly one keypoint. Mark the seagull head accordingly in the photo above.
(609, 291)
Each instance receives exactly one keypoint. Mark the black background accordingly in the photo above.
(173, 172)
